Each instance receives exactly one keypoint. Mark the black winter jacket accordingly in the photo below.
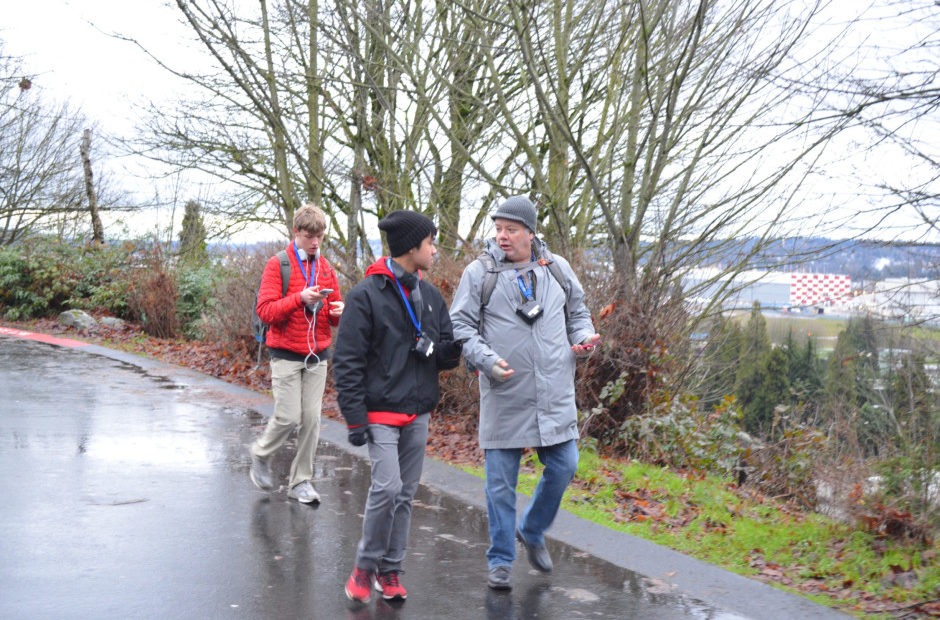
(374, 365)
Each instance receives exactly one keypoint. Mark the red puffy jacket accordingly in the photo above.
(290, 323)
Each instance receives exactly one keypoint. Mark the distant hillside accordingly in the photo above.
(861, 260)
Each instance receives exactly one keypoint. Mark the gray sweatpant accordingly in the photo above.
(397, 456)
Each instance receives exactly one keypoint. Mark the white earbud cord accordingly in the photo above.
(312, 329)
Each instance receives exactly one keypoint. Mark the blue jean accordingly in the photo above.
(502, 474)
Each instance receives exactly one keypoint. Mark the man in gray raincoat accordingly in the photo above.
(521, 314)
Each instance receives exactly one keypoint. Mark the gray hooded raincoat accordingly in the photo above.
(536, 406)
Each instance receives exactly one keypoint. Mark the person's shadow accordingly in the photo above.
(499, 605)
(282, 534)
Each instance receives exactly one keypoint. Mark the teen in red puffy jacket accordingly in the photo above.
(298, 342)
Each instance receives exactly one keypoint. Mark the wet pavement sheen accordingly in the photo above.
(126, 495)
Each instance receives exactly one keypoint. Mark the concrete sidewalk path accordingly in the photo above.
(126, 495)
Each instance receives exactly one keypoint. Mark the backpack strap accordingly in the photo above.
(489, 278)
(259, 328)
(554, 268)
(285, 271)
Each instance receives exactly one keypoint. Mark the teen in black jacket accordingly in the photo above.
(394, 337)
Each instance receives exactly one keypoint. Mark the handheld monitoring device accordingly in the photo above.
(314, 308)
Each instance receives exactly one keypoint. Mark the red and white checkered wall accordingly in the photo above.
(818, 288)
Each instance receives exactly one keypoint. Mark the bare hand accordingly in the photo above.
(312, 294)
(336, 308)
(501, 371)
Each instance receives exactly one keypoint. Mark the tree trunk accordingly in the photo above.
(289, 203)
(97, 230)
(314, 140)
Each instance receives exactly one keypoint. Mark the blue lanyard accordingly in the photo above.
(525, 288)
(313, 268)
(401, 291)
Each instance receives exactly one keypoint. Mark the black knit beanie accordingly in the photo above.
(405, 230)
(518, 208)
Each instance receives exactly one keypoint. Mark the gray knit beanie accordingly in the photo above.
(518, 208)
(405, 230)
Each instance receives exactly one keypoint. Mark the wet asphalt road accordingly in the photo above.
(126, 495)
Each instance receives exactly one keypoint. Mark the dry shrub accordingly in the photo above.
(152, 294)
(228, 319)
(787, 468)
(641, 357)
(460, 396)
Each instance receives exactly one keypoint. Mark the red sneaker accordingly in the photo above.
(390, 587)
(359, 585)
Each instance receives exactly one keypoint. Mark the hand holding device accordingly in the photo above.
(587, 345)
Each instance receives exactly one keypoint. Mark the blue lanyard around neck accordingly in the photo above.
(525, 288)
(401, 291)
(313, 268)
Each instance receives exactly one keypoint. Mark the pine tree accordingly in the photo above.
(763, 390)
(720, 361)
(913, 400)
(757, 392)
(193, 249)
(841, 391)
(805, 371)
(755, 343)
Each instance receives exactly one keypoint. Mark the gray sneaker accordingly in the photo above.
(260, 473)
(304, 493)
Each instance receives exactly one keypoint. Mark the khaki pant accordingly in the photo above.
(298, 399)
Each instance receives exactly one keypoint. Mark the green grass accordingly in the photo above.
(822, 330)
(707, 518)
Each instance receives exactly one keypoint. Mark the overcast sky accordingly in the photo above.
(67, 51)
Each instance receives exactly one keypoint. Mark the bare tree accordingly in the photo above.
(388, 99)
(422, 103)
(664, 135)
(40, 174)
(249, 124)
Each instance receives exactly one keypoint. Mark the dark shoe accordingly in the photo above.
(498, 577)
(359, 585)
(538, 555)
(390, 587)
(260, 473)
(304, 493)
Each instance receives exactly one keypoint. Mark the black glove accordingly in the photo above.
(359, 435)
